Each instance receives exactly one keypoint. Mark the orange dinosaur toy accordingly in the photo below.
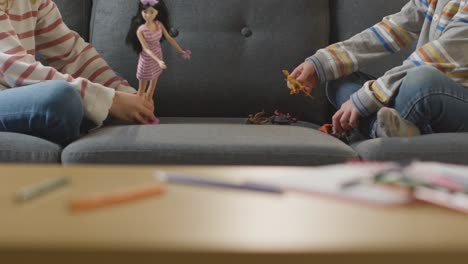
(327, 129)
(296, 86)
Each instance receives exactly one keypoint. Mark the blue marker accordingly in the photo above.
(191, 180)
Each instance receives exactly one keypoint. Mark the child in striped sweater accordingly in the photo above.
(426, 94)
(52, 101)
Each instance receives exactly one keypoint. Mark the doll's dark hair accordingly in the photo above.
(163, 17)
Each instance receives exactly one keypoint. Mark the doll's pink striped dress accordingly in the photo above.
(148, 68)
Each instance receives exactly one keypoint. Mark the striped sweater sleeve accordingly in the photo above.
(18, 66)
(66, 51)
(394, 33)
(447, 54)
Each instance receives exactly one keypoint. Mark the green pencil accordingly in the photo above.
(31, 192)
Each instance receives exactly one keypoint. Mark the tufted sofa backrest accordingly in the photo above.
(239, 49)
(76, 14)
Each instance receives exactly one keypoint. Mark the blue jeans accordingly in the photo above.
(427, 97)
(51, 110)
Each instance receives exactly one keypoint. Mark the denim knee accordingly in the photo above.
(64, 107)
(420, 81)
(417, 88)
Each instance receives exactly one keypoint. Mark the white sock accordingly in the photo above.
(391, 124)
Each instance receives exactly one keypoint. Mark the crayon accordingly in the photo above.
(30, 192)
(117, 197)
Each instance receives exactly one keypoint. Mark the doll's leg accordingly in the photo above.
(142, 84)
(151, 89)
(149, 95)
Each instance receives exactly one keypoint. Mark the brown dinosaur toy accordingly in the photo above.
(259, 119)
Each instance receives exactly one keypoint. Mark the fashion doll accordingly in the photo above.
(148, 28)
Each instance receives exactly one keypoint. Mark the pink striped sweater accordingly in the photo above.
(27, 28)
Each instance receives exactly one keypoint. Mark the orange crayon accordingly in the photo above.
(117, 197)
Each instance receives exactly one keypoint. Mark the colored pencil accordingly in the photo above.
(117, 197)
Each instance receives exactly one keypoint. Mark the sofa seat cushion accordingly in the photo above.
(449, 148)
(27, 149)
(208, 144)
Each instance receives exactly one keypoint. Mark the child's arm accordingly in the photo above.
(18, 68)
(171, 40)
(145, 47)
(394, 33)
(69, 53)
(447, 54)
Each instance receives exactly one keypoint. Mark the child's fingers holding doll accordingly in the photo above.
(131, 107)
(144, 116)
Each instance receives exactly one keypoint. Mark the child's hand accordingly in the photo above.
(131, 107)
(346, 118)
(306, 75)
(162, 65)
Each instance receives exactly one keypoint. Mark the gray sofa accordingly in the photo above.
(239, 49)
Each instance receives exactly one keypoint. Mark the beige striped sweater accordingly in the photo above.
(441, 27)
(27, 28)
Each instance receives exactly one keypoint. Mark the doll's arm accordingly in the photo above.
(171, 40)
(142, 40)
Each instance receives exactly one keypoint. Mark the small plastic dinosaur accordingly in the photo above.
(296, 86)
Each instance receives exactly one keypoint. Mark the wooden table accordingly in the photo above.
(191, 224)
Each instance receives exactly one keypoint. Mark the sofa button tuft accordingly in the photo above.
(246, 32)
(174, 32)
